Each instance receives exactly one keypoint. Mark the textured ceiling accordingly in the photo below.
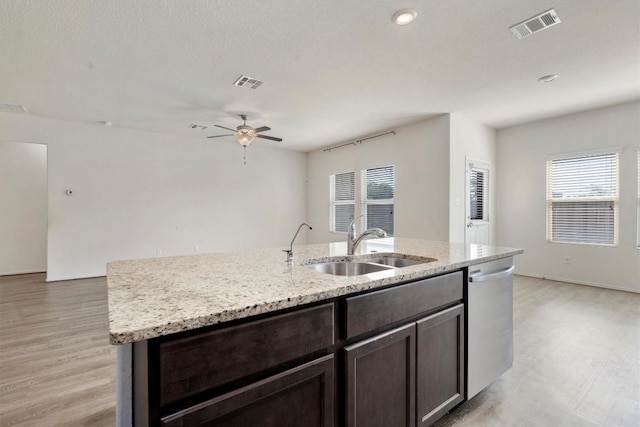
(333, 70)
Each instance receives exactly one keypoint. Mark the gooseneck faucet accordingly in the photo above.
(353, 241)
(290, 250)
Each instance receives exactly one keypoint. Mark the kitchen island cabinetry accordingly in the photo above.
(414, 373)
(302, 396)
(280, 370)
(235, 339)
(440, 364)
(380, 380)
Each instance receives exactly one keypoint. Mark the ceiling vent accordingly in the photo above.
(11, 108)
(537, 23)
(196, 126)
(246, 81)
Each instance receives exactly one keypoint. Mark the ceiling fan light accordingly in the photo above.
(244, 137)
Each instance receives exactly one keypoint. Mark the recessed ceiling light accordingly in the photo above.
(548, 78)
(404, 16)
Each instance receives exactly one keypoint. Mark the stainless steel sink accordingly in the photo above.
(348, 268)
(367, 264)
(399, 262)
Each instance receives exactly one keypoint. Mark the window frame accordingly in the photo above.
(333, 202)
(615, 199)
(364, 201)
(484, 167)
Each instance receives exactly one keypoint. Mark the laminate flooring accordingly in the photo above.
(577, 358)
(576, 361)
(56, 365)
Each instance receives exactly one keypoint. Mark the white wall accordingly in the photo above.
(23, 207)
(420, 154)
(522, 153)
(478, 142)
(136, 192)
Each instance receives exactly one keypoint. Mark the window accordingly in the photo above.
(582, 199)
(342, 188)
(378, 188)
(477, 201)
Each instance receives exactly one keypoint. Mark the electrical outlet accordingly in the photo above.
(567, 260)
(196, 249)
(158, 251)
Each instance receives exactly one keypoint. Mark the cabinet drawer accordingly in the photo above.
(195, 364)
(370, 311)
(302, 396)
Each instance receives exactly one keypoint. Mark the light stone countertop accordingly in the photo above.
(160, 296)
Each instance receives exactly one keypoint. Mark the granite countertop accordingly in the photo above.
(160, 296)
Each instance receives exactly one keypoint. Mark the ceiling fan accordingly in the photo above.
(245, 134)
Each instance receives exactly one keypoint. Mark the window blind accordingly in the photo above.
(343, 188)
(378, 188)
(476, 194)
(582, 199)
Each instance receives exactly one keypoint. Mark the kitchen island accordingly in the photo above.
(216, 337)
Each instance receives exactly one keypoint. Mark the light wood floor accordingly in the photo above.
(56, 364)
(576, 361)
(577, 358)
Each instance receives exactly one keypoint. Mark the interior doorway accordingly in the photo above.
(23, 208)
(477, 202)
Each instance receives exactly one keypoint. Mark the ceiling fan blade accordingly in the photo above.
(232, 130)
(272, 138)
(218, 136)
(262, 129)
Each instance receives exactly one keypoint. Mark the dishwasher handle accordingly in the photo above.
(497, 275)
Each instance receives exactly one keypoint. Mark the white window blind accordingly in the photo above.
(582, 199)
(477, 184)
(342, 195)
(378, 189)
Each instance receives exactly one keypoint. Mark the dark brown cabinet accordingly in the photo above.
(195, 364)
(380, 380)
(399, 353)
(302, 396)
(409, 376)
(440, 364)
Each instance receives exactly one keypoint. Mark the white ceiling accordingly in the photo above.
(333, 70)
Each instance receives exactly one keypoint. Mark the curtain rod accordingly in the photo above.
(359, 141)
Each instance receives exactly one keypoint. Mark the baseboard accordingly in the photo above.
(577, 282)
(58, 279)
(20, 272)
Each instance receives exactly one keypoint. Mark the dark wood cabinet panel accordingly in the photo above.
(374, 310)
(195, 364)
(440, 364)
(380, 380)
(302, 396)
(246, 375)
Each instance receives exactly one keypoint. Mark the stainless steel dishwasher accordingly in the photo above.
(490, 323)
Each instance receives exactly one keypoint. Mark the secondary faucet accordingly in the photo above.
(353, 241)
(290, 250)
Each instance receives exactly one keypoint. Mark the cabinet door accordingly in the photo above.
(302, 396)
(380, 380)
(440, 364)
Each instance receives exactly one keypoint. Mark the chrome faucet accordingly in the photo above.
(290, 250)
(353, 241)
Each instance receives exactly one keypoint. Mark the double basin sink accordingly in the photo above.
(360, 266)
